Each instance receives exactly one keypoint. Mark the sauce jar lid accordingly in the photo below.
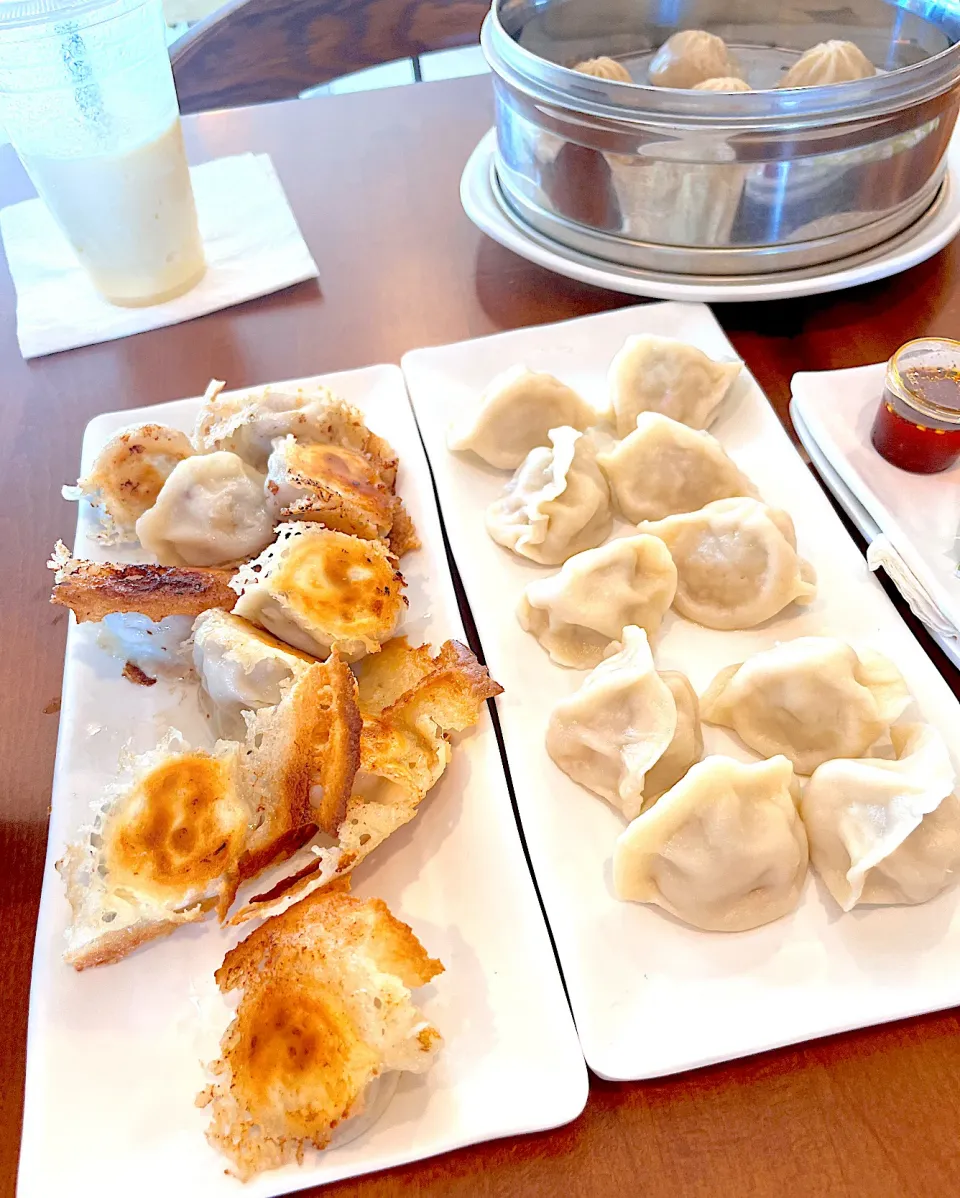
(925, 375)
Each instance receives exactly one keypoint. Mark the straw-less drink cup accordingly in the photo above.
(87, 99)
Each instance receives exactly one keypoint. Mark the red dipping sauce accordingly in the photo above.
(917, 426)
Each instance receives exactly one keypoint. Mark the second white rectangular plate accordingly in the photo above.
(650, 995)
(115, 1055)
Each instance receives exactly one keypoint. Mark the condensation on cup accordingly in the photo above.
(87, 98)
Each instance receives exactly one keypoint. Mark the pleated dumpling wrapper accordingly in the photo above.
(829, 62)
(812, 699)
(579, 612)
(515, 414)
(724, 850)
(690, 56)
(604, 68)
(620, 723)
(723, 85)
(886, 831)
(737, 563)
(664, 467)
(658, 374)
(557, 504)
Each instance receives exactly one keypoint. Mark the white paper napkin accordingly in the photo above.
(250, 235)
(881, 553)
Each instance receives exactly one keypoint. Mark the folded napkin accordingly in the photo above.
(881, 553)
(251, 238)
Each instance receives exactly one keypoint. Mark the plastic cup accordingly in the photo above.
(87, 99)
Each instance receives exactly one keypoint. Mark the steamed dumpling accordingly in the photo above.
(737, 563)
(685, 749)
(577, 613)
(211, 510)
(604, 68)
(811, 699)
(723, 850)
(689, 57)
(557, 503)
(241, 668)
(664, 467)
(829, 62)
(617, 726)
(515, 414)
(658, 374)
(886, 831)
(723, 85)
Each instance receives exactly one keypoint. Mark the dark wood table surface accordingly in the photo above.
(373, 178)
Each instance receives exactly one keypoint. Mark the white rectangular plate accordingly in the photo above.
(868, 527)
(651, 996)
(115, 1054)
(919, 514)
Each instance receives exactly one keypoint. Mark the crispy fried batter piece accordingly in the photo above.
(304, 756)
(95, 589)
(410, 702)
(325, 1009)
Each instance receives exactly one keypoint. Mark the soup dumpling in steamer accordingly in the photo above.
(723, 85)
(737, 563)
(604, 68)
(690, 56)
(658, 374)
(829, 62)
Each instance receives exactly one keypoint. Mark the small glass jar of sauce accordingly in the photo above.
(917, 426)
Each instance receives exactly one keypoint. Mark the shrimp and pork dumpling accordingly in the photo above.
(617, 726)
(577, 613)
(241, 668)
(737, 563)
(247, 423)
(886, 831)
(811, 699)
(128, 475)
(319, 590)
(210, 510)
(515, 414)
(829, 62)
(664, 467)
(723, 85)
(604, 68)
(557, 503)
(658, 374)
(690, 56)
(724, 850)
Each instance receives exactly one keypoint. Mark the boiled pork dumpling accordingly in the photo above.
(557, 503)
(723, 850)
(604, 68)
(685, 749)
(811, 699)
(617, 726)
(515, 414)
(689, 57)
(737, 563)
(829, 62)
(886, 831)
(723, 85)
(210, 511)
(664, 467)
(577, 613)
(658, 374)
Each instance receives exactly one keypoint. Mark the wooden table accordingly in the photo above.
(373, 179)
